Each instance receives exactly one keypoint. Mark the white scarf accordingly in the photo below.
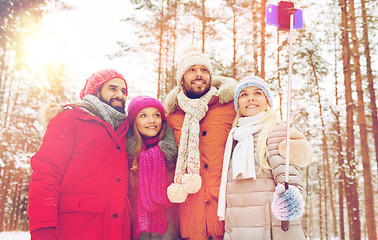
(243, 156)
(188, 160)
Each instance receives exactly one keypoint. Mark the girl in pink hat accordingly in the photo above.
(152, 154)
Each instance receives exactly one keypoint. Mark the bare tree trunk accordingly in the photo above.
(234, 70)
(310, 233)
(4, 76)
(370, 77)
(361, 119)
(321, 230)
(14, 196)
(5, 186)
(325, 198)
(262, 21)
(340, 160)
(351, 182)
(327, 172)
(173, 82)
(341, 177)
(255, 45)
(18, 203)
(203, 25)
(166, 68)
(160, 48)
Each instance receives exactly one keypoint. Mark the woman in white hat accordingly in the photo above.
(252, 196)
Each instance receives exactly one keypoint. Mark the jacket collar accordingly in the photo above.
(225, 86)
(50, 110)
(167, 145)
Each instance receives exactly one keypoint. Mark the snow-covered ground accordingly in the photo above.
(14, 236)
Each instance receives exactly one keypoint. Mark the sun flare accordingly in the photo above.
(43, 50)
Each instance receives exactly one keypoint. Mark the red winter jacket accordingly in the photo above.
(80, 178)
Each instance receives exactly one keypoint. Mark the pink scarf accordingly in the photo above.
(152, 191)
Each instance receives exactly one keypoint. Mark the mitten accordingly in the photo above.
(287, 204)
(48, 233)
(300, 149)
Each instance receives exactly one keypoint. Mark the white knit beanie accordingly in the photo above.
(256, 82)
(190, 57)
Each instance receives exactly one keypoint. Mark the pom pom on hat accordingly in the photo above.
(97, 79)
(256, 82)
(190, 57)
(138, 103)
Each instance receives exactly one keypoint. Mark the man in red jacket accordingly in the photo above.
(78, 188)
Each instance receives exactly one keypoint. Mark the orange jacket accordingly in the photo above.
(198, 214)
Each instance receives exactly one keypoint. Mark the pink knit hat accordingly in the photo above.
(97, 79)
(138, 103)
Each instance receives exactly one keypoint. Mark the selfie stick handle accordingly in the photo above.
(285, 224)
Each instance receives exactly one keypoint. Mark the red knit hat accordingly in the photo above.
(138, 103)
(97, 79)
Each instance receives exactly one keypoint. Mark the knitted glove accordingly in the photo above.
(48, 233)
(287, 205)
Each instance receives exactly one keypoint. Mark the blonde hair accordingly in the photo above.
(270, 119)
(139, 145)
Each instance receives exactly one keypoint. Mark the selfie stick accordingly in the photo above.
(285, 224)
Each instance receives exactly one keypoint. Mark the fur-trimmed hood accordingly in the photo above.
(48, 111)
(225, 85)
(167, 145)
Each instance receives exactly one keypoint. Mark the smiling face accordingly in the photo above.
(252, 101)
(196, 81)
(148, 122)
(114, 93)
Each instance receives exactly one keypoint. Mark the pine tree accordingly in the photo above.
(350, 161)
(361, 119)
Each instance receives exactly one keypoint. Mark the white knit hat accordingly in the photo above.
(190, 57)
(253, 81)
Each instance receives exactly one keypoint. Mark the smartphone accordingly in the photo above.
(271, 13)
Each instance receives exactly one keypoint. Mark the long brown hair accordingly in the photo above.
(139, 145)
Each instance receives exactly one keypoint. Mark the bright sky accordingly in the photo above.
(84, 36)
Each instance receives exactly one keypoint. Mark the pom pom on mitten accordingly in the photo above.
(191, 183)
(176, 193)
(287, 204)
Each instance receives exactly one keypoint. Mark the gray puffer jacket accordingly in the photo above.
(248, 203)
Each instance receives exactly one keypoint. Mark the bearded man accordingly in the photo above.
(78, 188)
(200, 110)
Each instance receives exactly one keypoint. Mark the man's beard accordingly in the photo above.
(193, 93)
(118, 108)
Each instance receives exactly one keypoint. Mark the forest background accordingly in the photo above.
(334, 96)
